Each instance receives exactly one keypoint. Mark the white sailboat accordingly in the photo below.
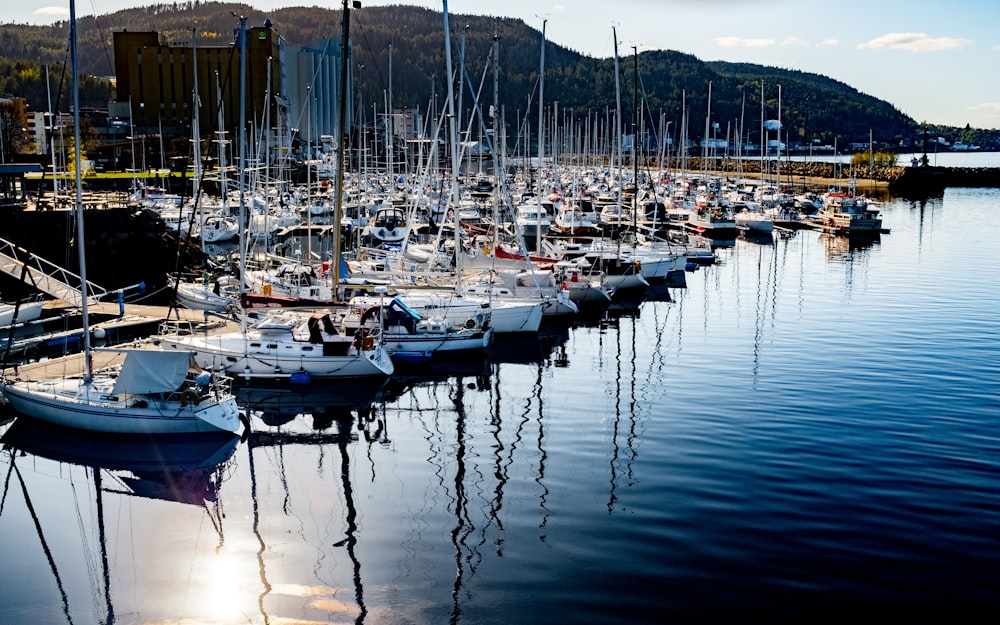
(410, 337)
(20, 312)
(285, 345)
(201, 294)
(150, 393)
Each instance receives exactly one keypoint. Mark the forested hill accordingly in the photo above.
(812, 106)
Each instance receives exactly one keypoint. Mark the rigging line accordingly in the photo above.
(91, 570)
(359, 25)
(6, 483)
(45, 545)
(100, 33)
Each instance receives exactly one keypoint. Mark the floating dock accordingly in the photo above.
(57, 353)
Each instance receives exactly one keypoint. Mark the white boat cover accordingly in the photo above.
(151, 371)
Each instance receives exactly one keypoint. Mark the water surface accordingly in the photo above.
(810, 427)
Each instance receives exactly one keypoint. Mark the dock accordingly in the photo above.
(58, 353)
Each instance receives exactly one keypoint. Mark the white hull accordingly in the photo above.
(69, 402)
(553, 300)
(463, 340)
(626, 281)
(755, 223)
(588, 293)
(251, 356)
(504, 317)
(199, 297)
(28, 311)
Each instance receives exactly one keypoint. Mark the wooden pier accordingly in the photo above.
(142, 320)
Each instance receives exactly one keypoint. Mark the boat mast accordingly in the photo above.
(78, 202)
(390, 131)
(763, 137)
(541, 140)
(777, 162)
(52, 139)
(618, 124)
(196, 138)
(499, 178)
(453, 139)
(243, 160)
(341, 126)
(635, 136)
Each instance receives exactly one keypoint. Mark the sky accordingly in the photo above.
(935, 61)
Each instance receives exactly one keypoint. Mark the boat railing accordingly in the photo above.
(176, 327)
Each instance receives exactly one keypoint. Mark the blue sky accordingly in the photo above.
(935, 61)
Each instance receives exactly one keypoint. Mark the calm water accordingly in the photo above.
(809, 428)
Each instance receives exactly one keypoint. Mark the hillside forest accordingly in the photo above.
(666, 86)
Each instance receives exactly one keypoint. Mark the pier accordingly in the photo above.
(117, 328)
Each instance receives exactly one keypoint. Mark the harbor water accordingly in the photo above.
(809, 429)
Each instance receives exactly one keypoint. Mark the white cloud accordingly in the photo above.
(830, 43)
(744, 42)
(991, 109)
(51, 12)
(915, 42)
(792, 40)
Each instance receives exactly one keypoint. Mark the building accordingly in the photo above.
(156, 88)
(315, 89)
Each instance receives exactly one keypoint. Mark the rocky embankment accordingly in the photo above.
(903, 181)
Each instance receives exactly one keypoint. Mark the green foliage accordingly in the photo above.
(880, 159)
(12, 135)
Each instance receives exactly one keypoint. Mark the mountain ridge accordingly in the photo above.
(814, 108)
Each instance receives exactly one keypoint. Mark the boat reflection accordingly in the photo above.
(165, 459)
(278, 406)
(529, 348)
(757, 237)
(407, 377)
(840, 245)
(178, 468)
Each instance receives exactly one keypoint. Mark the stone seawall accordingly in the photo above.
(791, 169)
(901, 180)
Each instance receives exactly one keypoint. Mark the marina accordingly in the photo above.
(390, 374)
(809, 426)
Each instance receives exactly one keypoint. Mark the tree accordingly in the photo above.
(13, 138)
(88, 137)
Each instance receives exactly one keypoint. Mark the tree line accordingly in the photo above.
(667, 86)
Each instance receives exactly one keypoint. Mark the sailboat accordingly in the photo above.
(20, 312)
(204, 294)
(285, 346)
(151, 392)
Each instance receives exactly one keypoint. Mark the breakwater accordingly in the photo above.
(901, 181)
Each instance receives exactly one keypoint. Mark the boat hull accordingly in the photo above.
(69, 402)
(408, 348)
(248, 357)
(28, 311)
(198, 297)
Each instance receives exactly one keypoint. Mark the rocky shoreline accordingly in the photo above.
(902, 181)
